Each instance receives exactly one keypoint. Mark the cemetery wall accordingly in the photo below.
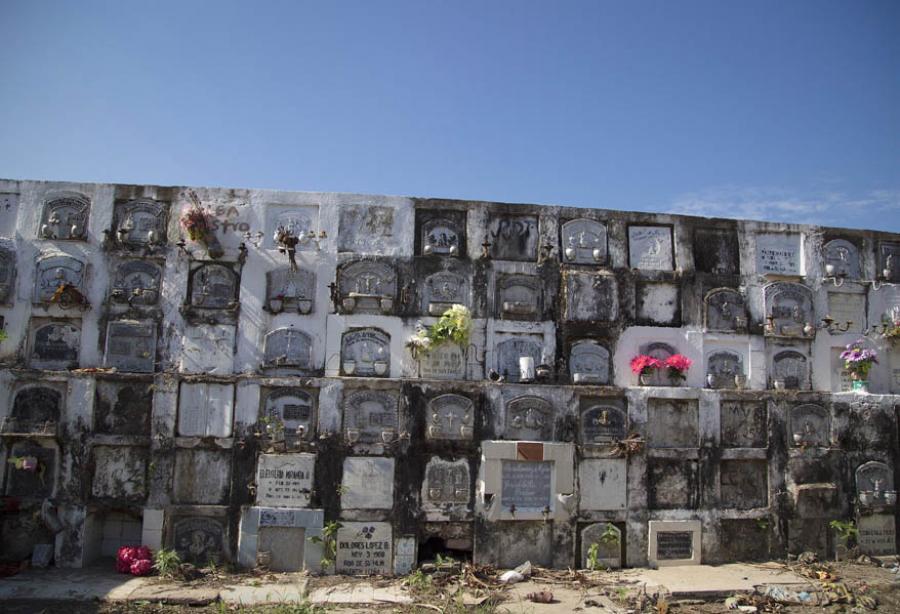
(213, 399)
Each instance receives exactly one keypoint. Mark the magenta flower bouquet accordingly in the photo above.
(858, 359)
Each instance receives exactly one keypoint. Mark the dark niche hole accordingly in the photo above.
(460, 550)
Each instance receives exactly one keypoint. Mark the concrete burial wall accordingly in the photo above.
(233, 408)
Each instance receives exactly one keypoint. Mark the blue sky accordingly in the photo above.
(787, 111)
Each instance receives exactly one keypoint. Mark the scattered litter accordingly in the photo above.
(511, 577)
(788, 596)
(542, 596)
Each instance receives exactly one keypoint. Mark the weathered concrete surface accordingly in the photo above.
(355, 593)
(707, 581)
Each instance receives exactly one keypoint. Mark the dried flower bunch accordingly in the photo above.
(196, 220)
(858, 359)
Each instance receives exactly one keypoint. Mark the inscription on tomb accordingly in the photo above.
(366, 353)
(779, 254)
(444, 361)
(584, 241)
(877, 535)
(674, 545)
(446, 482)
(602, 423)
(789, 310)
(136, 282)
(364, 548)
(440, 237)
(296, 410)
(288, 347)
(56, 345)
(365, 228)
(526, 485)
(284, 480)
(55, 273)
(650, 248)
(140, 222)
(511, 350)
(744, 424)
(367, 286)
(370, 416)
(442, 291)
(213, 286)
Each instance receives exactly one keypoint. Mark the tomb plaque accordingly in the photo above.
(513, 237)
(877, 535)
(367, 286)
(529, 418)
(790, 366)
(366, 353)
(602, 424)
(446, 482)
(442, 291)
(716, 251)
(650, 248)
(518, 297)
(875, 477)
(300, 222)
(603, 484)
(205, 409)
(441, 237)
(56, 345)
(744, 424)
(290, 290)
(65, 218)
(790, 310)
(365, 229)
(889, 261)
(584, 241)
(779, 254)
(674, 545)
(657, 303)
(450, 416)
(509, 352)
(294, 407)
(810, 426)
(444, 361)
(140, 222)
(284, 480)
(136, 282)
(590, 297)
(131, 346)
(845, 307)
(725, 311)
(7, 273)
(364, 548)
(405, 555)
(213, 286)
(526, 485)
(37, 405)
(589, 363)
(288, 347)
(609, 549)
(673, 423)
(54, 272)
(722, 367)
(199, 540)
(368, 483)
(370, 417)
(842, 258)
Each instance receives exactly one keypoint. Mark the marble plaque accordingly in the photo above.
(140, 222)
(9, 212)
(7, 274)
(371, 416)
(440, 237)
(284, 480)
(296, 410)
(443, 361)
(405, 550)
(513, 237)
(725, 310)
(792, 367)
(842, 258)
(609, 550)
(672, 545)
(877, 535)
(589, 363)
(56, 345)
(874, 476)
(889, 261)
(526, 485)
(844, 307)
(366, 352)
(602, 423)
(199, 540)
(779, 254)
(810, 426)
(603, 484)
(205, 409)
(744, 424)
(368, 483)
(288, 347)
(722, 367)
(131, 346)
(288, 290)
(590, 297)
(136, 282)
(450, 416)
(716, 251)
(299, 221)
(518, 297)
(365, 229)
(54, 272)
(214, 286)
(364, 548)
(32, 484)
(790, 307)
(509, 352)
(443, 290)
(529, 418)
(650, 248)
(65, 218)
(584, 242)
(367, 286)
(446, 483)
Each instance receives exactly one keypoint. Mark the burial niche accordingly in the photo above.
(367, 286)
(288, 347)
(510, 351)
(602, 422)
(513, 237)
(529, 418)
(56, 346)
(36, 409)
(450, 416)
(874, 480)
(34, 476)
(440, 237)
(296, 410)
(589, 363)
(442, 291)
(213, 286)
(518, 297)
(199, 540)
(7, 274)
(590, 297)
(810, 426)
(366, 352)
(606, 538)
(446, 482)
(584, 241)
(722, 369)
(889, 261)
(65, 218)
(790, 366)
(650, 248)
(716, 251)
(725, 311)
(841, 259)
(140, 222)
(789, 310)
(136, 282)
(371, 417)
(660, 351)
(289, 290)
(58, 277)
(131, 346)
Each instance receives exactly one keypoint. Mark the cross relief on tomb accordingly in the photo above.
(290, 290)
(450, 417)
(589, 363)
(841, 259)
(213, 286)
(529, 418)
(366, 352)
(136, 282)
(584, 241)
(7, 274)
(371, 417)
(288, 347)
(725, 310)
(367, 286)
(140, 222)
(789, 310)
(65, 218)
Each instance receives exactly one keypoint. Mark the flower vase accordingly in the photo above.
(645, 379)
(859, 385)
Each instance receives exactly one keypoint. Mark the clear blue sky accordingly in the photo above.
(765, 109)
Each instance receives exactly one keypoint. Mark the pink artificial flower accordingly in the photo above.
(679, 362)
(142, 567)
(643, 363)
